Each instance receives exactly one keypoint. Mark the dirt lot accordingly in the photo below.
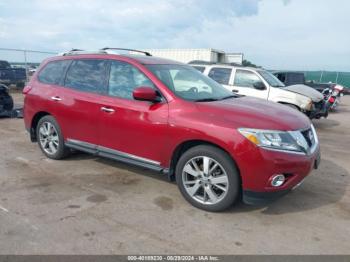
(89, 205)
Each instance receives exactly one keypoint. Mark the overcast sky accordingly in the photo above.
(277, 34)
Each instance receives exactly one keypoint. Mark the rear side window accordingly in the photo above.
(199, 68)
(53, 72)
(220, 75)
(124, 78)
(246, 78)
(87, 75)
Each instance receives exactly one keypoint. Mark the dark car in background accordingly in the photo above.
(12, 76)
(294, 78)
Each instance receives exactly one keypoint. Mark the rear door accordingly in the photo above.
(132, 129)
(245, 82)
(78, 102)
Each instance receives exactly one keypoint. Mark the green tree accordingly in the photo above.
(248, 63)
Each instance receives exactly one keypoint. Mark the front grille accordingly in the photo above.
(309, 136)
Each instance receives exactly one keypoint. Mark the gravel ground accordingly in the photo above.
(90, 205)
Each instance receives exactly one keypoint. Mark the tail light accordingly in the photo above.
(331, 99)
(26, 89)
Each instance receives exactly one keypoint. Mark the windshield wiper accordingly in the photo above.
(206, 100)
(227, 97)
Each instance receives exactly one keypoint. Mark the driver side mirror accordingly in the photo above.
(145, 93)
(259, 85)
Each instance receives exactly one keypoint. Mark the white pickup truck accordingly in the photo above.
(260, 83)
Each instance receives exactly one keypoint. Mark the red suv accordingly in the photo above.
(167, 116)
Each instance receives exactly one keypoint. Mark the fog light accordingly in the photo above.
(278, 180)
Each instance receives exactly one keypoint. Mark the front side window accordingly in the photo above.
(270, 78)
(244, 78)
(53, 72)
(188, 83)
(124, 78)
(220, 75)
(87, 75)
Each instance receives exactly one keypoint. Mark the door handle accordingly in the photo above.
(108, 110)
(234, 91)
(56, 98)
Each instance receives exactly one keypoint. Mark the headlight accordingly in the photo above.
(308, 105)
(292, 141)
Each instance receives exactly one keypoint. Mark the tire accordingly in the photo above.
(49, 136)
(197, 182)
(7, 102)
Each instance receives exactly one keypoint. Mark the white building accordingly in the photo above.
(203, 54)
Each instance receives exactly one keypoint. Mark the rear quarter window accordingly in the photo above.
(53, 72)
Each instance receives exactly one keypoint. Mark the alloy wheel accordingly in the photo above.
(48, 137)
(205, 180)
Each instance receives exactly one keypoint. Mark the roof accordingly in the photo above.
(223, 65)
(152, 60)
(150, 50)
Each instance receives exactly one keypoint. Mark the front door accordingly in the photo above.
(246, 82)
(133, 129)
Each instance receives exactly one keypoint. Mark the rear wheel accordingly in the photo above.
(207, 177)
(50, 138)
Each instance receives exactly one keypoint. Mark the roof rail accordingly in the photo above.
(126, 49)
(105, 50)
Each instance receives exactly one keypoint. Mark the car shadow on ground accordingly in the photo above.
(323, 187)
(77, 155)
(325, 123)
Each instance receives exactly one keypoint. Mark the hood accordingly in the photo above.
(306, 91)
(252, 112)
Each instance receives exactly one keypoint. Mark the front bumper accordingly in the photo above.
(262, 198)
(258, 166)
(319, 109)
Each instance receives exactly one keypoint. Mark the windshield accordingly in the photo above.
(189, 84)
(271, 79)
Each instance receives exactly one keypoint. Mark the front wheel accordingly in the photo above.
(208, 178)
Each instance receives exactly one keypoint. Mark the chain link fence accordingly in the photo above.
(28, 60)
(342, 78)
